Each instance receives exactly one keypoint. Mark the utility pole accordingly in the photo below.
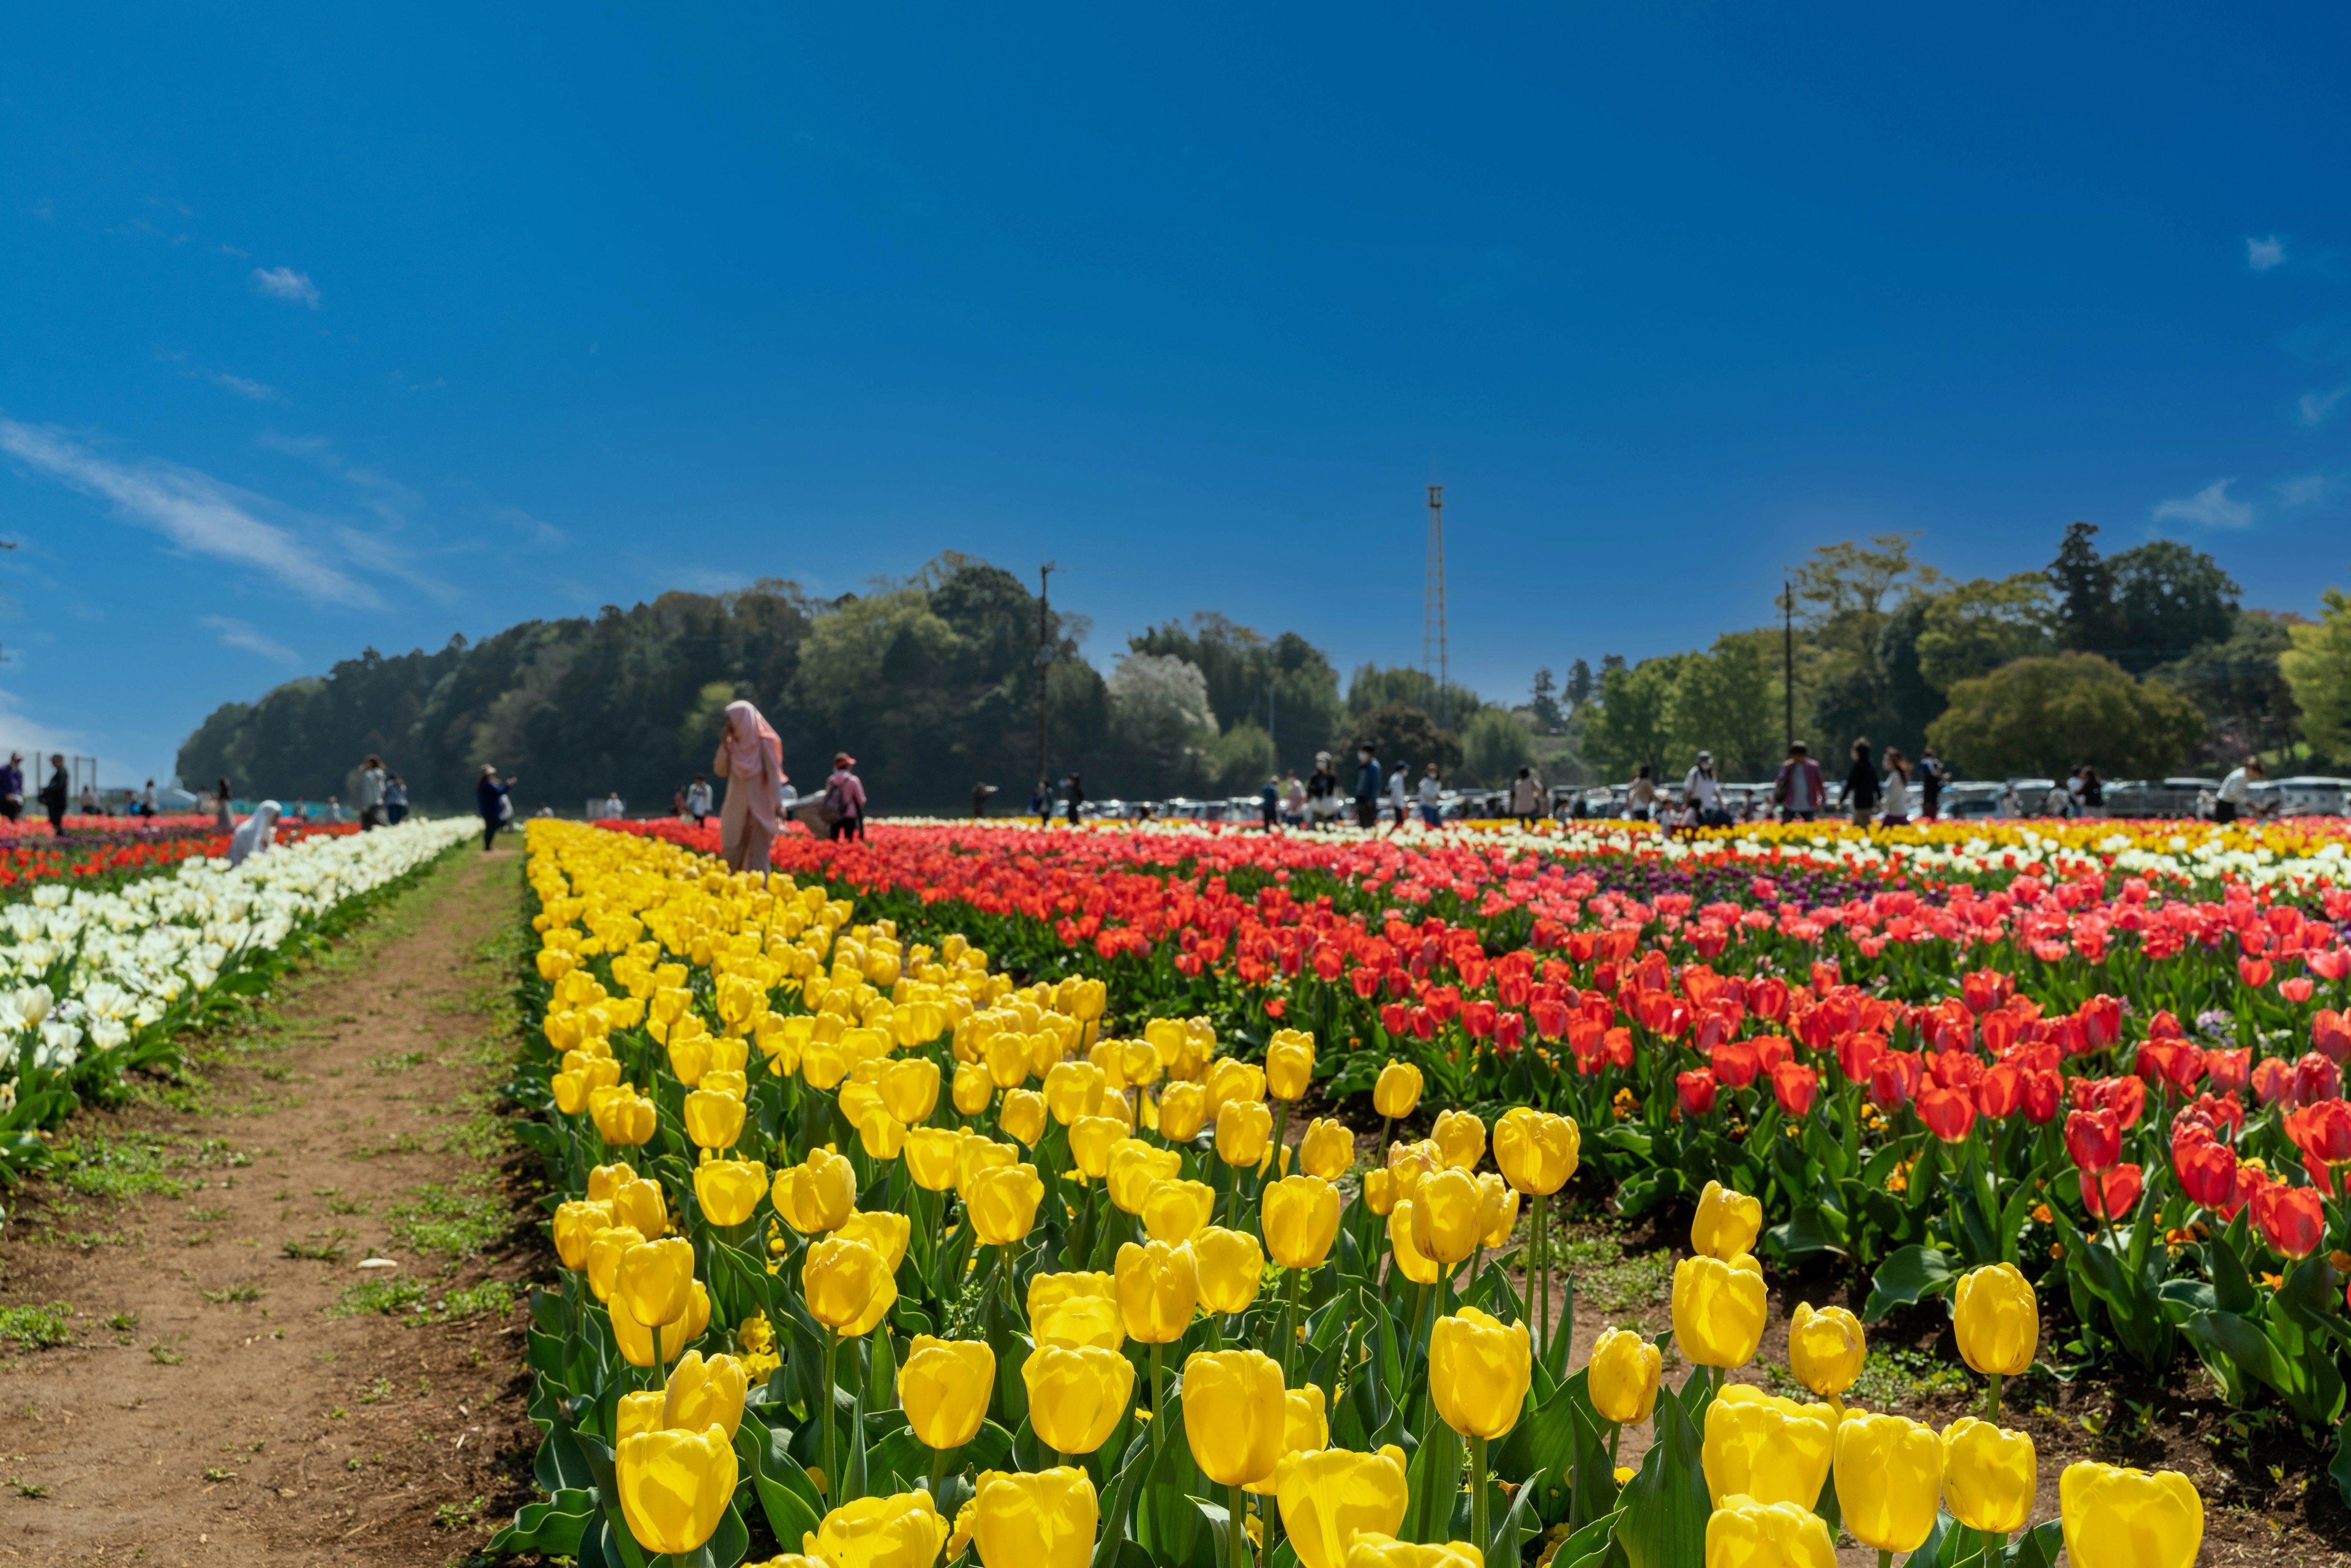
(1044, 654)
(1432, 609)
(1788, 652)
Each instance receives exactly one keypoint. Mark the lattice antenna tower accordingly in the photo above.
(1432, 612)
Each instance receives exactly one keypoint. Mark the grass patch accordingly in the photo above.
(452, 1221)
(84, 1241)
(401, 1062)
(1892, 1375)
(389, 1297)
(1617, 1282)
(99, 1166)
(406, 1144)
(325, 1246)
(227, 1293)
(36, 1327)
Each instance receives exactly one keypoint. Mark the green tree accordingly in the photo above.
(1163, 732)
(1724, 700)
(1242, 759)
(1973, 628)
(2240, 685)
(1373, 687)
(2085, 586)
(1548, 717)
(1581, 683)
(1406, 738)
(1284, 684)
(1857, 604)
(2047, 716)
(1495, 747)
(1634, 721)
(2318, 669)
(2170, 599)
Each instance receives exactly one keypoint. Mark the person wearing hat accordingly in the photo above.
(844, 799)
(492, 800)
(1702, 790)
(1321, 791)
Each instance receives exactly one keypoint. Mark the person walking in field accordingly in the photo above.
(1897, 813)
(1268, 804)
(1526, 797)
(1367, 785)
(370, 798)
(494, 800)
(12, 787)
(844, 799)
(1432, 798)
(223, 809)
(699, 798)
(56, 792)
(1861, 791)
(1293, 800)
(1074, 796)
(395, 801)
(751, 758)
(1800, 791)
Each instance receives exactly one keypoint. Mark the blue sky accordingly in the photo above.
(325, 331)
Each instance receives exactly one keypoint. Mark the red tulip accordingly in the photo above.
(2102, 1020)
(1857, 1051)
(2226, 1071)
(1793, 1086)
(1697, 1088)
(2094, 1138)
(2110, 1193)
(2321, 1131)
(2254, 972)
(2000, 1091)
(2315, 1078)
(2175, 1061)
(2335, 964)
(2207, 1170)
(2291, 1219)
(2273, 1080)
(2296, 991)
(2043, 1093)
(1551, 1017)
(1771, 1050)
(2330, 1034)
(1949, 1113)
(1735, 1063)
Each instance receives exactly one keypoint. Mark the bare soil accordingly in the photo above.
(223, 1394)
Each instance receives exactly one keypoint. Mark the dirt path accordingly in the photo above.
(234, 1385)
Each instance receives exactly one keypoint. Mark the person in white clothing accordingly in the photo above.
(700, 801)
(1432, 798)
(1894, 810)
(2230, 803)
(1398, 803)
(1701, 789)
(613, 810)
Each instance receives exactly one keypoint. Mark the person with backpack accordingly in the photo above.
(844, 799)
(1931, 777)
(751, 758)
(492, 799)
(1861, 786)
(1800, 791)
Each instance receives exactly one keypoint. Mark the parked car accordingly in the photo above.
(2308, 795)
(2176, 796)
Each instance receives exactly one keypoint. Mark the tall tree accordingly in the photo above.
(1544, 704)
(2169, 599)
(2085, 585)
(1284, 684)
(2046, 716)
(1580, 683)
(2318, 668)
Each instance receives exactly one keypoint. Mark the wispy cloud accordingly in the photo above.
(2265, 252)
(2301, 490)
(2210, 508)
(285, 283)
(536, 531)
(2316, 406)
(21, 732)
(245, 635)
(245, 387)
(196, 512)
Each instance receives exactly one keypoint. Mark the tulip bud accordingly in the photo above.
(1328, 1149)
(1460, 1139)
(1537, 1152)
(1076, 1397)
(902, 1531)
(638, 1204)
(1305, 1429)
(1890, 1480)
(637, 1341)
(713, 1121)
(944, 1388)
(1183, 1112)
(1989, 1476)
(1997, 1320)
(575, 1225)
(1760, 1446)
(1415, 1264)
(1501, 1209)
(1002, 1203)
(1244, 1128)
(1157, 1288)
(1479, 1372)
(704, 1393)
(1175, 1211)
(655, 1280)
(1330, 1498)
(729, 1190)
(1134, 1168)
(1623, 1376)
(1233, 1414)
(847, 1286)
(910, 1089)
(1073, 1310)
(2117, 1518)
(972, 1088)
(604, 1252)
(1299, 1217)
(1743, 1532)
(1450, 1217)
(880, 1135)
(1042, 1520)
(1726, 1224)
(818, 1194)
(1090, 1141)
(1022, 1115)
(1372, 1551)
(1398, 1089)
(1825, 1349)
(1289, 1064)
(884, 1230)
(1228, 1266)
(1074, 1089)
(674, 1486)
(1718, 1310)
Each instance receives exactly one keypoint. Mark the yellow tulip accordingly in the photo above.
(1158, 1287)
(1760, 1446)
(1244, 1128)
(1478, 1372)
(1042, 1520)
(729, 1190)
(674, 1486)
(719, 1080)
(637, 1341)
(1328, 1149)
(713, 1121)
(1233, 1414)
(1305, 1429)
(622, 1116)
(1623, 1376)
(1233, 1081)
(1745, 1533)
(975, 1154)
(1890, 1480)
(1289, 1064)
(823, 1064)
(575, 1225)
(910, 1089)
(1726, 1224)
(1374, 1550)
(1461, 1140)
(972, 1088)
(1415, 1265)
(902, 1531)
(703, 1393)
(1073, 1310)
(1138, 1065)
(604, 1252)
(930, 1155)
(1379, 1191)
(1076, 1397)
(848, 1287)
(818, 1194)
(1299, 1217)
(1501, 1209)
(1398, 1089)
(655, 1280)
(1989, 1476)
(639, 1204)
(880, 1135)
(884, 1230)
(1022, 1115)
(1183, 1112)
(1229, 1266)
(1002, 1203)
(1450, 1216)
(1135, 1167)
(689, 1057)
(2118, 1518)
(1330, 1498)
(1174, 1211)
(1074, 1089)
(1005, 1057)
(1537, 1152)
(944, 1388)
(640, 1412)
(1825, 1349)
(1997, 1320)
(1090, 1140)
(1718, 1310)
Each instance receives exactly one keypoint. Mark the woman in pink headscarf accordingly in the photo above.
(751, 759)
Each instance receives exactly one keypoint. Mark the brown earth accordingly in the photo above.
(224, 1397)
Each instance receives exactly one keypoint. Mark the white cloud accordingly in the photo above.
(537, 531)
(2301, 490)
(244, 386)
(2212, 508)
(19, 732)
(194, 511)
(2265, 252)
(285, 283)
(243, 634)
(2316, 406)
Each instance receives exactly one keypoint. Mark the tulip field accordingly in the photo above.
(1106, 1196)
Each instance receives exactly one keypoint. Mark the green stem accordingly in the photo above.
(1994, 1544)
(1236, 1509)
(939, 1458)
(832, 1473)
(1159, 1407)
(1477, 1508)
(1995, 1416)
(1540, 1248)
(1289, 1321)
(1884, 1558)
